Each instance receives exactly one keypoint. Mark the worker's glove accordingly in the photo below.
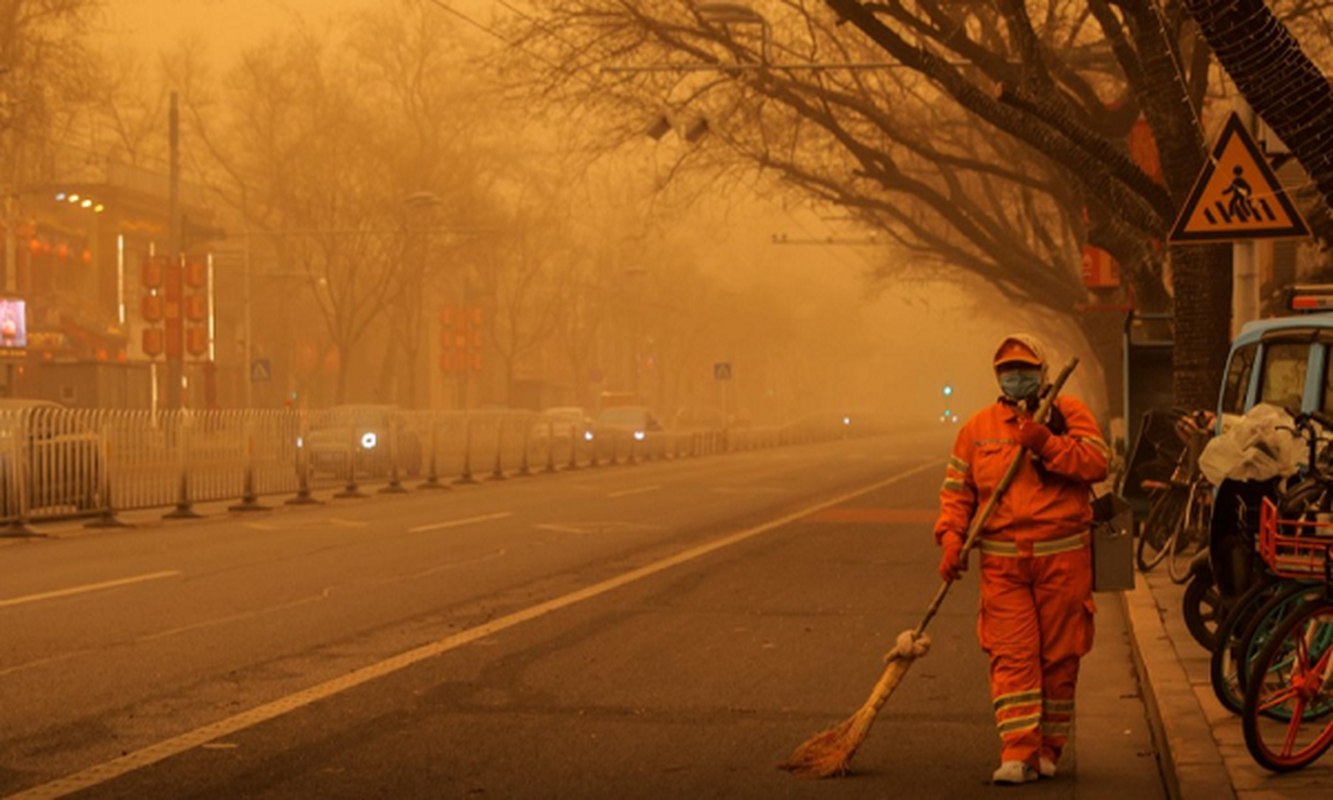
(952, 563)
(1032, 434)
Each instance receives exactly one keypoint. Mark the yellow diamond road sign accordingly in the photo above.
(1237, 196)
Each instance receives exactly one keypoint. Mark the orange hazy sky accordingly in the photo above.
(229, 25)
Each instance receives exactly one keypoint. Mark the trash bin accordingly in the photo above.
(1112, 544)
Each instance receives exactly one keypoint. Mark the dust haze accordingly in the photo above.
(517, 254)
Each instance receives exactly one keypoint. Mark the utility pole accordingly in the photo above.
(175, 344)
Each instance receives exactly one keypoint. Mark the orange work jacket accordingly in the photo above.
(1051, 494)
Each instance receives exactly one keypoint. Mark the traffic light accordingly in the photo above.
(176, 299)
(152, 342)
(461, 338)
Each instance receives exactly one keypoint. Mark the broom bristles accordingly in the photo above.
(829, 754)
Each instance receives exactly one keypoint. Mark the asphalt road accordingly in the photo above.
(667, 630)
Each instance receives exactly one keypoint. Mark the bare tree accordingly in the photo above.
(303, 156)
(48, 79)
(991, 139)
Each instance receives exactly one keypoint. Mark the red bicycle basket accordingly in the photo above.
(1294, 548)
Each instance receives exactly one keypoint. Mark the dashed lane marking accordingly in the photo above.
(455, 523)
(161, 751)
(91, 587)
(637, 490)
(305, 523)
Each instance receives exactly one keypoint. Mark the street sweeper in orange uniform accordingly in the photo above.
(1036, 618)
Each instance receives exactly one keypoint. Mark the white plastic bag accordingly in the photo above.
(1261, 445)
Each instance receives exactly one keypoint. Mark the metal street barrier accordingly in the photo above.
(75, 463)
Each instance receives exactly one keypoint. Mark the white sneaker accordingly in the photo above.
(1046, 768)
(1014, 772)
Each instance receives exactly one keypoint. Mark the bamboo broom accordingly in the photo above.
(829, 754)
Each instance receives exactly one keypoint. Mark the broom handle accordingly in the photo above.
(974, 530)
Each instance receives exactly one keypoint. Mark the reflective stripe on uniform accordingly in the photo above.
(952, 485)
(1049, 548)
(1027, 723)
(1031, 697)
(1097, 443)
(958, 464)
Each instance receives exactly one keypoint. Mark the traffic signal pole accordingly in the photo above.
(175, 350)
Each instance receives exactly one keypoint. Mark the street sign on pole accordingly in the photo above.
(261, 371)
(722, 371)
(1237, 196)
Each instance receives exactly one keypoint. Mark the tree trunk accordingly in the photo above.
(1202, 281)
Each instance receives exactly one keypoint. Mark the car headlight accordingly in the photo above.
(639, 435)
(846, 420)
(369, 440)
(587, 436)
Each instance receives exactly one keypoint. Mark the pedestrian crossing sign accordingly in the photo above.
(1237, 196)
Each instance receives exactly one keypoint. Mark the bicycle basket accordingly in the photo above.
(1294, 548)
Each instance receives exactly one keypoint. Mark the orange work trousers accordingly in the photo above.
(1036, 622)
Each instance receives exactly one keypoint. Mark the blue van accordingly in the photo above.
(1284, 361)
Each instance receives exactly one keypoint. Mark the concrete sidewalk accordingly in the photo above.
(1200, 743)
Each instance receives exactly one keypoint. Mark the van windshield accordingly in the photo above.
(1283, 382)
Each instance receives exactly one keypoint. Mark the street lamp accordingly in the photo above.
(419, 202)
(725, 13)
(633, 274)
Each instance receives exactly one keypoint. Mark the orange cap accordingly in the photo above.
(1012, 350)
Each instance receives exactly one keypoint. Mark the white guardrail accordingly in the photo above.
(62, 463)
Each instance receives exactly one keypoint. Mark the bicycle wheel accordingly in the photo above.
(1191, 534)
(1286, 598)
(1222, 666)
(1203, 608)
(1159, 529)
(1291, 676)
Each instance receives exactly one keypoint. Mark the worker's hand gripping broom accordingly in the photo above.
(829, 754)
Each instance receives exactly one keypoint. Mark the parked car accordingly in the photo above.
(562, 423)
(61, 457)
(701, 418)
(360, 435)
(634, 421)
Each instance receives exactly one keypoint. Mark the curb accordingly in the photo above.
(1188, 756)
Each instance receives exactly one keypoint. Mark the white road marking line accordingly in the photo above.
(640, 490)
(585, 528)
(92, 587)
(439, 526)
(298, 524)
(161, 751)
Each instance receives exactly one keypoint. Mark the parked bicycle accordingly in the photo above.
(1287, 717)
(1252, 618)
(1176, 528)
